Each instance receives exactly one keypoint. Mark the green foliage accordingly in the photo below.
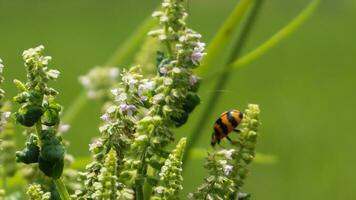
(130, 158)
(170, 176)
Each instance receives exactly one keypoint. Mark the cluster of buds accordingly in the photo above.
(170, 176)
(228, 167)
(40, 112)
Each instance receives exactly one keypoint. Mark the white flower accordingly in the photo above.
(105, 117)
(95, 144)
(121, 97)
(146, 86)
(176, 70)
(85, 81)
(132, 82)
(129, 109)
(198, 53)
(227, 169)
(228, 153)
(160, 189)
(111, 109)
(53, 73)
(115, 92)
(6, 115)
(168, 81)
(193, 80)
(163, 70)
(157, 98)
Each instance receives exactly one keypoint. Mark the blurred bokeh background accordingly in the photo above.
(305, 86)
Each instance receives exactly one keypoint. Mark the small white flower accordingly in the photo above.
(227, 169)
(160, 189)
(103, 128)
(198, 53)
(130, 110)
(158, 97)
(132, 82)
(85, 81)
(111, 109)
(95, 144)
(143, 98)
(6, 115)
(176, 70)
(121, 97)
(163, 70)
(193, 80)
(54, 74)
(105, 117)
(115, 92)
(228, 153)
(164, 18)
(168, 81)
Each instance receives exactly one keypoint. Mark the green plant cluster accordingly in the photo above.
(39, 110)
(143, 105)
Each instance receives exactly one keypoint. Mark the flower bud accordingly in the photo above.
(28, 115)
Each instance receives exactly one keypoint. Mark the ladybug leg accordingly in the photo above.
(237, 130)
(228, 138)
(231, 141)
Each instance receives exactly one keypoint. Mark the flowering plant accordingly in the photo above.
(132, 157)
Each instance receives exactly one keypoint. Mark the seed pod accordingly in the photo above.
(182, 119)
(191, 101)
(50, 117)
(28, 115)
(51, 159)
(30, 153)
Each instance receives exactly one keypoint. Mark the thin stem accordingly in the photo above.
(224, 77)
(38, 128)
(75, 108)
(126, 49)
(224, 36)
(282, 34)
(61, 188)
(118, 58)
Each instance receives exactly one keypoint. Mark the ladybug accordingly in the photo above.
(225, 124)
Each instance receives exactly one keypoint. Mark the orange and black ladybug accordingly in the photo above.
(227, 122)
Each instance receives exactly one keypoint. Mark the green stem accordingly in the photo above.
(282, 34)
(75, 108)
(118, 58)
(61, 188)
(224, 36)
(224, 77)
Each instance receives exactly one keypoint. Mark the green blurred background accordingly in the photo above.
(305, 86)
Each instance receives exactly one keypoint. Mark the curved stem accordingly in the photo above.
(75, 108)
(224, 36)
(61, 188)
(282, 34)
